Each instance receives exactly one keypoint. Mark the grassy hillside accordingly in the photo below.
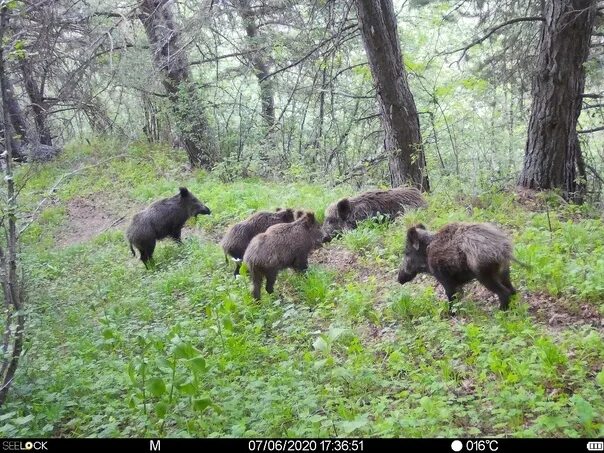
(116, 350)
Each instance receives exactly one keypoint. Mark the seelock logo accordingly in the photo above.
(18, 445)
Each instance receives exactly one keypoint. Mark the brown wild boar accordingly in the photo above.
(345, 214)
(164, 218)
(459, 253)
(237, 238)
(282, 246)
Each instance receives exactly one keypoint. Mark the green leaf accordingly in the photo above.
(188, 388)
(228, 324)
(198, 364)
(7, 415)
(132, 373)
(600, 378)
(161, 409)
(156, 386)
(349, 426)
(321, 345)
(108, 333)
(202, 404)
(23, 420)
(186, 351)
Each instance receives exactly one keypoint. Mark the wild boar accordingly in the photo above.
(459, 253)
(281, 246)
(164, 218)
(346, 213)
(237, 238)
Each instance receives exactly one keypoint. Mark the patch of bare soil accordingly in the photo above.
(560, 313)
(87, 218)
(342, 261)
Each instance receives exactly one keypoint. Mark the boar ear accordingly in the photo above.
(184, 192)
(420, 226)
(299, 214)
(310, 217)
(343, 208)
(413, 237)
(278, 210)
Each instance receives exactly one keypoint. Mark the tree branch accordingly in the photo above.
(493, 31)
(589, 131)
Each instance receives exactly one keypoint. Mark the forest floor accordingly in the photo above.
(114, 349)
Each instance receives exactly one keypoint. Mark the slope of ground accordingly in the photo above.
(183, 350)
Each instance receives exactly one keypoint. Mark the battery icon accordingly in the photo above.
(595, 446)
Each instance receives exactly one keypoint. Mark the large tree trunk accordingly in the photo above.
(398, 112)
(171, 61)
(259, 62)
(38, 104)
(553, 154)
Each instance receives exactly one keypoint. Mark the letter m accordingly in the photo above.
(154, 446)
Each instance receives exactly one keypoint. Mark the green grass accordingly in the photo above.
(116, 350)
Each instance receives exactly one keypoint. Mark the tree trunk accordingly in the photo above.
(553, 154)
(259, 62)
(37, 102)
(171, 61)
(398, 112)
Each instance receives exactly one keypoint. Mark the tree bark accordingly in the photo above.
(38, 104)
(259, 61)
(553, 157)
(397, 106)
(171, 61)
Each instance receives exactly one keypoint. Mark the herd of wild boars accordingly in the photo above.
(271, 241)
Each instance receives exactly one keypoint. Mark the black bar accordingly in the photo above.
(260, 445)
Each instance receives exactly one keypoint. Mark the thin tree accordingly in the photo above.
(12, 337)
(171, 61)
(259, 61)
(398, 111)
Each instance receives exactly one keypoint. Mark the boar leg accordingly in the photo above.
(300, 264)
(452, 290)
(176, 236)
(505, 279)
(147, 248)
(257, 282)
(237, 267)
(271, 277)
(495, 285)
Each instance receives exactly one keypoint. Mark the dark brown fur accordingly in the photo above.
(458, 253)
(162, 219)
(282, 246)
(346, 213)
(237, 238)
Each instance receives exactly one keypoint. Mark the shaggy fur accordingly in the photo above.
(162, 219)
(459, 253)
(346, 213)
(285, 245)
(237, 238)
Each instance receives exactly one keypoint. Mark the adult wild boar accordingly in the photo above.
(237, 238)
(346, 213)
(282, 246)
(459, 253)
(164, 218)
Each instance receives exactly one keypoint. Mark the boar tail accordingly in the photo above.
(132, 250)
